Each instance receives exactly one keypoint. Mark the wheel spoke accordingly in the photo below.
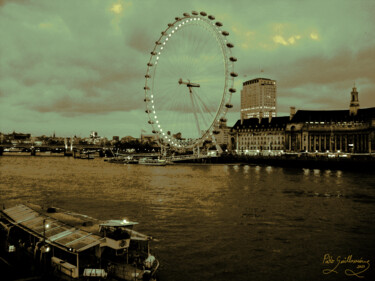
(194, 111)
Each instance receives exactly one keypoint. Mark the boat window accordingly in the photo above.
(115, 233)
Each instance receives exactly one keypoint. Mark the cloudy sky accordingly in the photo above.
(72, 67)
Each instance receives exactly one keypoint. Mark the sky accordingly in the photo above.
(71, 67)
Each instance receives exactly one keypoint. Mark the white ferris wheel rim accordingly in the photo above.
(228, 77)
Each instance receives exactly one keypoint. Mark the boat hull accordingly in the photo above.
(152, 162)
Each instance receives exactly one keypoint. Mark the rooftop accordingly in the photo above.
(55, 232)
(276, 122)
(333, 115)
(255, 80)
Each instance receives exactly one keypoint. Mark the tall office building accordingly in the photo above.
(258, 98)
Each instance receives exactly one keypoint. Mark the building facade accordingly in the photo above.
(258, 98)
(331, 131)
(350, 130)
(259, 136)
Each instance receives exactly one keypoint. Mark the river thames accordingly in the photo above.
(217, 222)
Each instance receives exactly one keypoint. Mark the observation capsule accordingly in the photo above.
(150, 64)
(148, 111)
(211, 17)
(195, 13)
(222, 119)
(232, 90)
(230, 45)
(228, 105)
(146, 88)
(225, 33)
(150, 122)
(186, 15)
(203, 14)
(219, 24)
(233, 59)
(233, 74)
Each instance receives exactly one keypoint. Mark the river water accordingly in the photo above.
(216, 222)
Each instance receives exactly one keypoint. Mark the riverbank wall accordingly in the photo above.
(349, 162)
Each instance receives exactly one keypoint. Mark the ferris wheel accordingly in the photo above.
(189, 81)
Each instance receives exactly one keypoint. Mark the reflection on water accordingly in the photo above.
(269, 169)
(213, 222)
(306, 172)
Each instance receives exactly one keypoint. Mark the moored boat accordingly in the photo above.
(131, 161)
(77, 246)
(117, 160)
(152, 162)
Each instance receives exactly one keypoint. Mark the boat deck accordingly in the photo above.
(58, 229)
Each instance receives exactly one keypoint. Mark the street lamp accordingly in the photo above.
(45, 226)
(45, 249)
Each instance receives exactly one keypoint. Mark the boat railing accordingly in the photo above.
(156, 267)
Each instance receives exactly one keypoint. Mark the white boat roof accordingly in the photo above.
(56, 232)
(118, 223)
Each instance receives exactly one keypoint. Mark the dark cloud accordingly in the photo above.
(141, 39)
(325, 82)
(70, 106)
(4, 2)
(343, 66)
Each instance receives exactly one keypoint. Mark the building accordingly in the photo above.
(16, 138)
(258, 98)
(128, 139)
(350, 130)
(149, 138)
(259, 135)
(332, 131)
(221, 134)
(94, 135)
(94, 138)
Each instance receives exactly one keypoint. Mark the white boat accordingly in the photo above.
(152, 162)
(76, 246)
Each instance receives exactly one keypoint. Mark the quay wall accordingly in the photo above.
(351, 162)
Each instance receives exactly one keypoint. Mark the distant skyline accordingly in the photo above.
(72, 67)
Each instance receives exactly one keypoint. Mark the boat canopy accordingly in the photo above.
(117, 223)
(53, 231)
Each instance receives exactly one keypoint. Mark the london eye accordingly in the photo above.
(189, 81)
